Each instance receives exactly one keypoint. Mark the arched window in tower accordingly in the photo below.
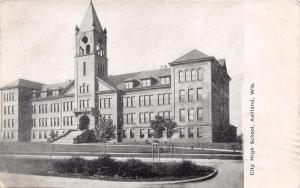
(88, 49)
(181, 76)
(102, 52)
(187, 75)
(81, 51)
(84, 69)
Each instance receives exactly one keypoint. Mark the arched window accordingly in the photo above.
(200, 74)
(81, 51)
(4, 135)
(187, 75)
(84, 68)
(101, 52)
(88, 49)
(193, 75)
(83, 88)
(181, 76)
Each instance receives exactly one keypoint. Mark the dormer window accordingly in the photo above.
(165, 80)
(129, 85)
(44, 94)
(55, 92)
(146, 83)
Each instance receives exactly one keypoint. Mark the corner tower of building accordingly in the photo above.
(90, 64)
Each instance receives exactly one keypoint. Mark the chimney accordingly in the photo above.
(164, 67)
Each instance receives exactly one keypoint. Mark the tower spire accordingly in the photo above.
(90, 20)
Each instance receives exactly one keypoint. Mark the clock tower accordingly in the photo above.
(90, 65)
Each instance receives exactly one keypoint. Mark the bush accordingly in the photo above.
(73, 165)
(104, 165)
(131, 168)
(184, 168)
(134, 168)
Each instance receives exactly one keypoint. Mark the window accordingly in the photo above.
(131, 133)
(55, 93)
(190, 132)
(12, 109)
(88, 49)
(199, 132)
(187, 75)
(191, 114)
(190, 94)
(147, 100)
(12, 123)
(181, 132)
(165, 80)
(4, 110)
(150, 133)
(44, 94)
(142, 134)
(84, 68)
(200, 74)
(129, 85)
(199, 93)
(40, 135)
(181, 95)
(200, 114)
(181, 115)
(167, 98)
(33, 135)
(124, 133)
(146, 83)
(194, 76)
(160, 99)
(166, 114)
(181, 76)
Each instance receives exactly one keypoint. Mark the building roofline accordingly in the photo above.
(190, 61)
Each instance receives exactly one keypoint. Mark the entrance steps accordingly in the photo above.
(68, 138)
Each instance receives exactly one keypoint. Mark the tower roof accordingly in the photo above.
(90, 20)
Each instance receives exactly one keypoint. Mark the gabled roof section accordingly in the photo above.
(56, 86)
(23, 83)
(90, 20)
(107, 83)
(194, 54)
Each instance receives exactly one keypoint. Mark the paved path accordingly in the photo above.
(230, 176)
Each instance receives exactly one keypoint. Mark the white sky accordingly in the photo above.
(37, 37)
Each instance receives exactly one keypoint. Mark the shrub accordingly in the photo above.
(106, 166)
(184, 168)
(73, 165)
(134, 168)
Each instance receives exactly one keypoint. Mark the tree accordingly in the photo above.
(160, 125)
(105, 130)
